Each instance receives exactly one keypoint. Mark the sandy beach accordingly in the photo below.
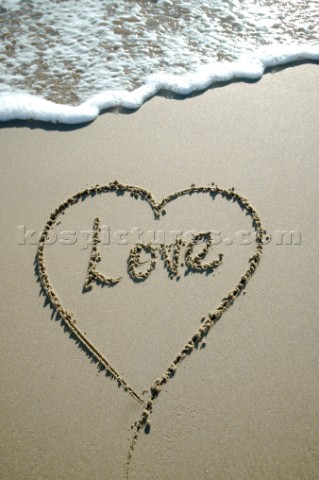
(244, 404)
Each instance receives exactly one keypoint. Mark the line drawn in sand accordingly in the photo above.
(67, 316)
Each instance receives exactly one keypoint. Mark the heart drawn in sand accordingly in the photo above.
(208, 321)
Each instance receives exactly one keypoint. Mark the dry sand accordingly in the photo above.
(243, 406)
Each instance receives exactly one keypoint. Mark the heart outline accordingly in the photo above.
(67, 317)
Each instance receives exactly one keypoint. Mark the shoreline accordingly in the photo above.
(26, 107)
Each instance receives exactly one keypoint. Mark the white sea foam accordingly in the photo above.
(67, 61)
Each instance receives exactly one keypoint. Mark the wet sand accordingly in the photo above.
(243, 402)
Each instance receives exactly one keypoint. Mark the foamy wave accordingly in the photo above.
(23, 106)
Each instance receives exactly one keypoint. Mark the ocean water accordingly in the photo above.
(67, 60)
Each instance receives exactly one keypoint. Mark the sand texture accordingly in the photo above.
(110, 367)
